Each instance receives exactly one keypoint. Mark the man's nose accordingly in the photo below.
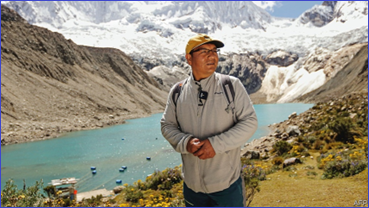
(212, 54)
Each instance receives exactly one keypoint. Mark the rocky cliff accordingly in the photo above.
(343, 71)
(352, 77)
(50, 85)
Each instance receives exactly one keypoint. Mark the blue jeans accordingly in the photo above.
(230, 197)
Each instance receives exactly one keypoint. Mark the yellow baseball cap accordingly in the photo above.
(199, 40)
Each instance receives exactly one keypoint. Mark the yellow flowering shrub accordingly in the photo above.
(342, 164)
(160, 189)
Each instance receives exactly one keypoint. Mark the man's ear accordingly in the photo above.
(189, 59)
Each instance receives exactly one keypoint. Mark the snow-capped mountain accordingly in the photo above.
(155, 33)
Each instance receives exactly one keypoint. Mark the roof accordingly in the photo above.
(63, 181)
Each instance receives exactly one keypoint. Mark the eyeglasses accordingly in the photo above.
(204, 51)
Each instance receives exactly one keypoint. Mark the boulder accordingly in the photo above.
(118, 189)
(251, 155)
(293, 115)
(281, 58)
(293, 131)
(284, 136)
(291, 161)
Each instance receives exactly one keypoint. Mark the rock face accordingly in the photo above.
(281, 58)
(351, 77)
(319, 15)
(249, 68)
(329, 11)
(50, 85)
(323, 70)
(167, 77)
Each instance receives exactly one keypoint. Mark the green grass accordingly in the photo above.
(297, 188)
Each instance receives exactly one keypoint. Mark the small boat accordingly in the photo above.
(93, 168)
(121, 170)
(148, 158)
(124, 167)
(118, 181)
(122, 138)
(94, 172)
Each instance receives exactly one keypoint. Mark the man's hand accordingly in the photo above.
(206, 150)
(193, 145)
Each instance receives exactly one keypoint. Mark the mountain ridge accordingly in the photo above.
(73, 72)
(50, 85)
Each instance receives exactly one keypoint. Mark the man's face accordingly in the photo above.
(203, 62)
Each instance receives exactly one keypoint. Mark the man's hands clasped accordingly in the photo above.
(201, 149)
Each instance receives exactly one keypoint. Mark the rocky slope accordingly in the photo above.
(50, 85)
(342, 71)
(353, 77)
(311, 123)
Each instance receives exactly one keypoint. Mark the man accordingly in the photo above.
(201, 127)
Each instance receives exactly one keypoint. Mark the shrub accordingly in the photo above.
(277, 161)
(163, 180)
(281, 148)
(343, 168)
(342, 164)
(309, 141)
(132, 194)
(50, 190)
(160, 189)
(362, 143)
(342, 129)
(318, 144)
(26, 197)
(296, 150)
(251, 175)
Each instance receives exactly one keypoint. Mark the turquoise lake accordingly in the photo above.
(73, 154)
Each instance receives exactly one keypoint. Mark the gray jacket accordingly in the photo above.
(210, 121)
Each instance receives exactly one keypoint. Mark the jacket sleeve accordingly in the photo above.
(246, 124)
(170, 129)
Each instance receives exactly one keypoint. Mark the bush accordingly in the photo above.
(252, 175)
(277, 161)
(318, 144)
(362, 143)
(132, 194)
(342, 169)
(281, 148)
(309, 141)
(160, 189)
(342, 164)
(163, 180)
(342, 127)
(50, 190)
(296, 150)
(26, 197)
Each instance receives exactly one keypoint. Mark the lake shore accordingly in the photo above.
(22, 132)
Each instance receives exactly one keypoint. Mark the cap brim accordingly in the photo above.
(217, 43)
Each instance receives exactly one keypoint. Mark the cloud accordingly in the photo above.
(268, 5)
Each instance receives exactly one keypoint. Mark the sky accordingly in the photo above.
(290, 9)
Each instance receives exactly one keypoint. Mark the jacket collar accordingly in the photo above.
(204, 82)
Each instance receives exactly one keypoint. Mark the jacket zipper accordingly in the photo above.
(200, 110)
